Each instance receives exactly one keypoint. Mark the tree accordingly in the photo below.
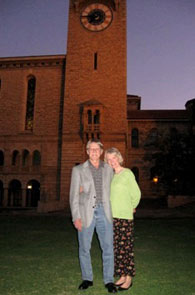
(174, 162)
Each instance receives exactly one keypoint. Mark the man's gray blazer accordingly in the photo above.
(83, 204)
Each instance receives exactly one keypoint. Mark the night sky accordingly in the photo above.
(160, 34)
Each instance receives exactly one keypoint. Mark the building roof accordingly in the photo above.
(32, 61)
(158, 115)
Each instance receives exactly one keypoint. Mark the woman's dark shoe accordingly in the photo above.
(125, 289)
(85, 284)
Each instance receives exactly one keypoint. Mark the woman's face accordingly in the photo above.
(113, 160)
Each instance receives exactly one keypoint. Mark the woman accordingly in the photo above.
(125, 196)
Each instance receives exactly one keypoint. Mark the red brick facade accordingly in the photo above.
(100, 86)
(77, 97)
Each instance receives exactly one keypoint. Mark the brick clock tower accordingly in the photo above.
(95, 81)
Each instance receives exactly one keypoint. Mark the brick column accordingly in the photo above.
(5, 197)
(23, 192)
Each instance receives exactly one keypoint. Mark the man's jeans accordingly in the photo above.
(104, 230)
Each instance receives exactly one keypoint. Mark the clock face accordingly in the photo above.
(96, 17)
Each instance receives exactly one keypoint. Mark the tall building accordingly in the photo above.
(50, 106)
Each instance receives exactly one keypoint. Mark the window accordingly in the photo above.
(1, 193)
(1, 158)
(25, 158)
(95, 61)
(154, 175)
(152, 138)
(135, 138)
(15, 158)
(15, 193)
(36, 158)
(97, 117)
(174, 133)
(30, 103)
(89, 116)
(32, 193)
(135, 171)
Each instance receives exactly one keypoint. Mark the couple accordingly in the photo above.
(102, 199)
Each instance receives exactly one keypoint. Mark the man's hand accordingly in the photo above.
(134, 211)
(78, 224)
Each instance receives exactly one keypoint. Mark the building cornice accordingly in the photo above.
(32, 61)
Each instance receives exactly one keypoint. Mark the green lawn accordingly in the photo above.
(39, 255)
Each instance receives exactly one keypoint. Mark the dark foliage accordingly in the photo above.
(174, 162)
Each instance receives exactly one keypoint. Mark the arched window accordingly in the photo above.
(25, 158)
(30, 103)
(135, 138)
(15, 158)
(154, 136)
(36, 158)
(1, 158)
(135, 171)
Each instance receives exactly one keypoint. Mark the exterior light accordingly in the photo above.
(155, 179)
(29, 186)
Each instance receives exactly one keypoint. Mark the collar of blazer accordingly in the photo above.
(86, 164)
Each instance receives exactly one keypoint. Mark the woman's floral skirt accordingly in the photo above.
(123, 247)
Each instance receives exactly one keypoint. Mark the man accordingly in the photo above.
(90, 207)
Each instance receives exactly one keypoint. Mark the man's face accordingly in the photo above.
(94, 151)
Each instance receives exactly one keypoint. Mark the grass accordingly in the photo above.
(39, 256)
